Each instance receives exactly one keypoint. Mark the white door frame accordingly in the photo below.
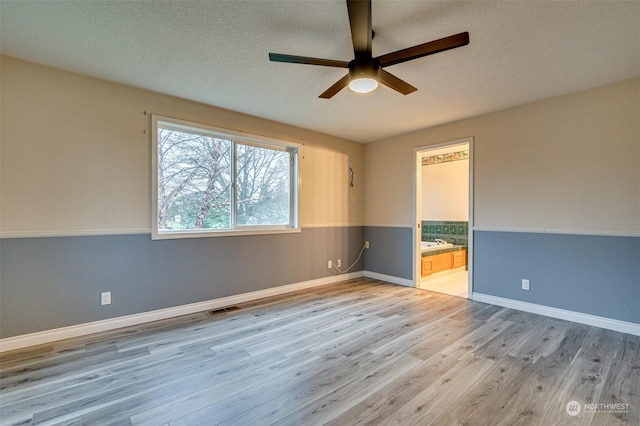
(417, 206)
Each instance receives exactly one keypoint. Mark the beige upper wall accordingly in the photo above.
(75, 159)
(75, 155)
(566, 164)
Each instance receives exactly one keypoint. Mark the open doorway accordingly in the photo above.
(443, 203)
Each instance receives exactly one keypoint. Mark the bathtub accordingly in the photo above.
(426, 246)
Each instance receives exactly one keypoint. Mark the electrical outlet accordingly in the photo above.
(366, 244)
(105, 298)
(339, 263)
(329, 264)
(525, 284)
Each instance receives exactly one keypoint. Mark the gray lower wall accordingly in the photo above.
(597, 275)
(390, 251)
(48, 283)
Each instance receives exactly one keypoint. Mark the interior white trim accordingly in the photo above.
(593, 232)
(191, 234)
(48, 336)
(74, 233)
(417, 207)
(593, 320)
(129, 231)
(331, 225)
(389, 225)
(389, 278)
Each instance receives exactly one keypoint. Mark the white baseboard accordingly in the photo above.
(48, 336)
(389, 278)
(596, 321)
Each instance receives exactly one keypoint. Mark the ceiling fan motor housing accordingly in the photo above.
(366, 68)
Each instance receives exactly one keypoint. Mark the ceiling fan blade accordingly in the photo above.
(424, 49)
(394, 82)
(360, 21)
(293, 59)
(338, 86)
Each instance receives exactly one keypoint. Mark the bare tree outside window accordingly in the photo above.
(263, 186)
(206, 182)
(194, 181)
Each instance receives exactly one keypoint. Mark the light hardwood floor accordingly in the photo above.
(359, 352)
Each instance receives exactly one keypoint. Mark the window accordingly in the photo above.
(212, 182)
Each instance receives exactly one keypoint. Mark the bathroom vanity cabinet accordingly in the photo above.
(443, 261)
(458, 258)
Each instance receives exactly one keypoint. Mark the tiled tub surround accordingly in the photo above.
(454, 232)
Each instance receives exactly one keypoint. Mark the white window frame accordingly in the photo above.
(235, 137)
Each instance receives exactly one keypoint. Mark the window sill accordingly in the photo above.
(225, 233)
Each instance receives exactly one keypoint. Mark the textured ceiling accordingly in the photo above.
(216, 52)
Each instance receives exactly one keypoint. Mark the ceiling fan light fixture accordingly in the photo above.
(363, 84)
(365, 71)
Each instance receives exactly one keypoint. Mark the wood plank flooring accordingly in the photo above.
(362, 352)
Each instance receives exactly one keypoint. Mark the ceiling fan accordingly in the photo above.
(365, 71)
